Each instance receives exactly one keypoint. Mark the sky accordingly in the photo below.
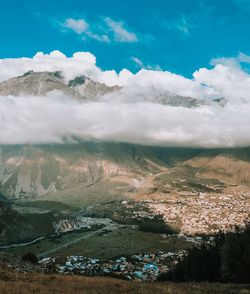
(179, 36)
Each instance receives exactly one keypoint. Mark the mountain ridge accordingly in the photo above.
(84, 89)
(42, 83)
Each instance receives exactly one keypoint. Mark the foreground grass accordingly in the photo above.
(39, 283)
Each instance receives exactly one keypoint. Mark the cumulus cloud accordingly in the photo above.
(227, 79)
(134, 113)
(81, 63)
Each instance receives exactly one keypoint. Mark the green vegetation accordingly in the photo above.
(123, 241)
(226, 260)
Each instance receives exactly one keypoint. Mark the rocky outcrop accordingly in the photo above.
(89, 89)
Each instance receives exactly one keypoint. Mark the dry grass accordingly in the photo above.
(14, 283)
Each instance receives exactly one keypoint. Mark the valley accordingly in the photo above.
(118, 200)
(180, 190)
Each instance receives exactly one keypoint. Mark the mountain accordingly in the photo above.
(90, 89)
(83, 88)
(156, 96)
(42, 83)
(112, 169)
(32, 171)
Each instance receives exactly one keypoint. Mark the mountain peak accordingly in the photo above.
(34, 83)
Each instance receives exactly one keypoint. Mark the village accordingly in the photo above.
(204, 214)
(143, 267)
(139, 267)
(197, 218)
(189, 214)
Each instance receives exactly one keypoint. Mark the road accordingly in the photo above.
(22, 244)
(85, 237)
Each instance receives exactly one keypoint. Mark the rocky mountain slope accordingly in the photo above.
(31, 171)
(42, 83)
(112, 168)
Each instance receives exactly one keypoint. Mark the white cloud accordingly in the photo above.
(81, 63)
(138, 62)
(232, 61)
(101, 38)
(227, 78)
(102, 32)
(121, 34)
(81, 27)
(133, 114)
(134, 122)
(77, 25)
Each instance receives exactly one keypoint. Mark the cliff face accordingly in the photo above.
(31, 171)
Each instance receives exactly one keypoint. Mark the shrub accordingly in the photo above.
(30, 257)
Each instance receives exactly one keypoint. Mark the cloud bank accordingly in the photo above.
(39, 120)
(133, 114)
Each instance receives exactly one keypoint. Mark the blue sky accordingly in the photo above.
(175, 35)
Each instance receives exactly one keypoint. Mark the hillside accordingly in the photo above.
(27, 283)
(16, 226)
(33, 171)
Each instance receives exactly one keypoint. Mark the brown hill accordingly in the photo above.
(38, 283)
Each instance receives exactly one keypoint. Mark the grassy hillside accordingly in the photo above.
(37, 283)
